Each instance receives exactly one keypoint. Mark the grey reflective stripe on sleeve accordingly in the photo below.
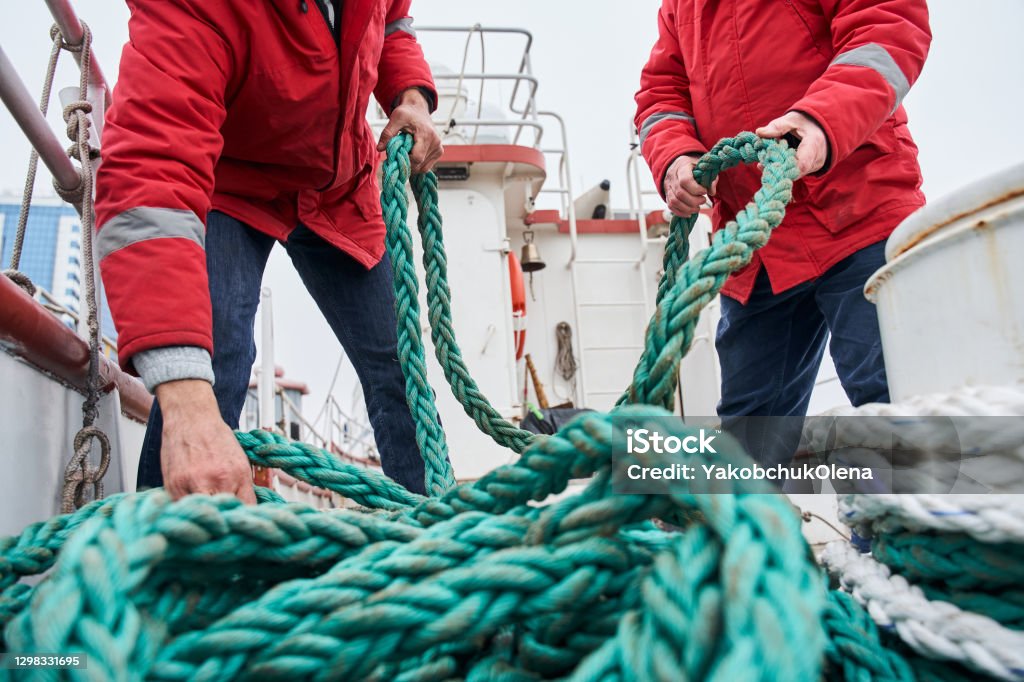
(877, 58)
(655, 119)
(140, 224)
(404, 25)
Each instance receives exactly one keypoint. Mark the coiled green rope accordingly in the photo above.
(473, 582)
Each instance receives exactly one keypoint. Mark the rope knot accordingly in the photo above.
(76, 115)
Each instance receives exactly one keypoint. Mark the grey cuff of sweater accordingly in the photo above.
(172, 363)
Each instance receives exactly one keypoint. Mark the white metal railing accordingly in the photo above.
(356, 445)
(521, 107)
(268, 392)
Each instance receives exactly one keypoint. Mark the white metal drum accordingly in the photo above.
(951, 297)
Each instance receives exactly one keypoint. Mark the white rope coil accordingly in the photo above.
(988, 518)
(967, 401)
(932, 628)
(910, 442)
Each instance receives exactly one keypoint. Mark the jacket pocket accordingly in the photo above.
(858, 185)
(802, 24)
(366, 195)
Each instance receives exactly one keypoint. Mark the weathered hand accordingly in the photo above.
(813, 149)
(412, 115)
(684, 195)
(199, 452)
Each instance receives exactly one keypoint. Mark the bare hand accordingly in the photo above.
(412, 115)
(684, 194)
(813, 149)
(199, 452)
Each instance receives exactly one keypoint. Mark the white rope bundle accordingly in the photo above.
(935, 629)
(967, 401)
(988, 518)
(941, 443)
(932, 628)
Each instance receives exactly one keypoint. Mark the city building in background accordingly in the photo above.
(52, 257)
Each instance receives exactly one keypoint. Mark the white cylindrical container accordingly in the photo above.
(951, 296)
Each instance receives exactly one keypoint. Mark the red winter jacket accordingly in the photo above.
(250, 108)
(723, 66)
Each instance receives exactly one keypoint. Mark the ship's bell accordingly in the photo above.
(531, 260)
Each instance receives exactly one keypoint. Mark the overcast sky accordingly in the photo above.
(965, 111)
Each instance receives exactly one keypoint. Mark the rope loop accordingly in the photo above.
(57, 36)
(22, 280)
(75, 195)
(81, 473)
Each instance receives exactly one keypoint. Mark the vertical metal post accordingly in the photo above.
(265, 379)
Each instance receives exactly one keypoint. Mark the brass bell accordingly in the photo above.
(531, 260)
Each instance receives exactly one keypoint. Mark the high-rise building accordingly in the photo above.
(52, 254)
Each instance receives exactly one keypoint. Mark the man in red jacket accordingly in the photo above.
(235, 126)
(832, 73)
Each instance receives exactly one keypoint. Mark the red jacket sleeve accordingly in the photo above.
(880, 48)
(153, 190)
(402, 65)
(664, 116)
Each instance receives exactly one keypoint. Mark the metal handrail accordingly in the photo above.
(522, 73)
(538, 128)
(516, 77)
(326, 443)
(25, 110)
(55, 306)
(524, 62)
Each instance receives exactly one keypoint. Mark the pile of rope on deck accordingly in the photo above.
(482, 581)
(944, 576)
(940, 574)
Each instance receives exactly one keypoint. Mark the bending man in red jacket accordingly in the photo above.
(833, 73)
(235, 126)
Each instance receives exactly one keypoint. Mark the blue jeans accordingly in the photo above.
(357, 303)
(771, 348)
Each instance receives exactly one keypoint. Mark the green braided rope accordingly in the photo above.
(429, 435)
(695, 283)
(957, 568)
(449, 356)
(854, 646)
(475, 582)
(677, 252)
(1005, 605)
(403, 596)
(320, 468)
(956, 559)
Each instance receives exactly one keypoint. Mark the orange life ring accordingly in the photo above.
(515, 278)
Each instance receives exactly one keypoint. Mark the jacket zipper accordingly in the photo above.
(335, 141)
(337, 127)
